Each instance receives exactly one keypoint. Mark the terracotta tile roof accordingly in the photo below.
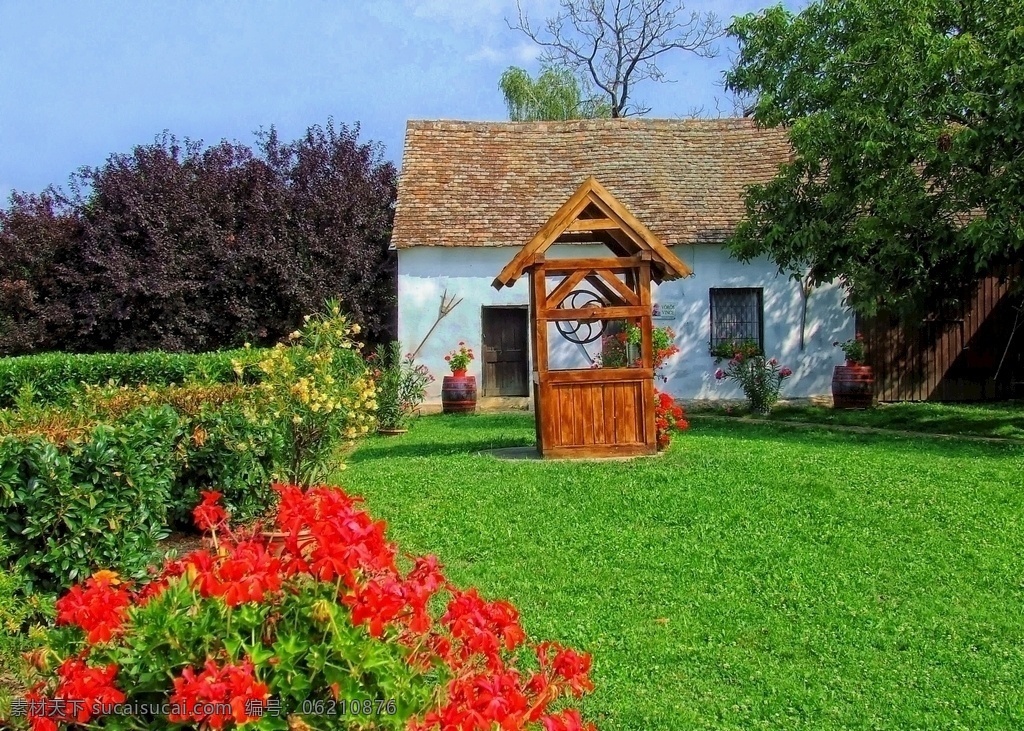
(497, 183)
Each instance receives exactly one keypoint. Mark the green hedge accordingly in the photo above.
(54, 375)
(99, 499)
(81, 490)
(236, 449)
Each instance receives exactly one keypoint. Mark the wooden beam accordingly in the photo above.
(547, 233)
(647, 355)
(540, 357)
(600, 375)
(615, 264)
(612, 297)
(591, 224)
(564, 287)
(579, 238)
(673, 266)
(627, 295)
(622, 230)
(646, 324)
(592, 313)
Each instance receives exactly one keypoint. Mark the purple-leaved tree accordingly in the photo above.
(180, 247)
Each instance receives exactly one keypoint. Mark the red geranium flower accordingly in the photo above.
(99, 608)
(216, 688)
(208, 515)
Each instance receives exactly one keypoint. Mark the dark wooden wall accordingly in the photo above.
(953, 357)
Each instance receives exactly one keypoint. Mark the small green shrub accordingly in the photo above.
(56, 376)
(98, 497)
(236, 448)
(16, 611)
(229, 441)
(401, 385)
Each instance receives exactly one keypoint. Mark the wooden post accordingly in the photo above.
(539, 301)
(647, 351)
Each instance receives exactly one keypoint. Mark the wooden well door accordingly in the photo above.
(506, 354)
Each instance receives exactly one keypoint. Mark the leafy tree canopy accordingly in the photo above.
(907, 123)
(176, 246)
(555, 94)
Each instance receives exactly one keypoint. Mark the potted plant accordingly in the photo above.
(760, 378)
(458, 391)
(401, 387)
(853, 383)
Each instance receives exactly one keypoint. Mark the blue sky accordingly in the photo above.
(79, 81)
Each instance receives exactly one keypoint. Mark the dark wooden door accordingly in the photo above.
(506, 357)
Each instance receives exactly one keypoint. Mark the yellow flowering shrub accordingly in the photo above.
(320, 384)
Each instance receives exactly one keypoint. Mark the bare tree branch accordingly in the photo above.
(617, 43)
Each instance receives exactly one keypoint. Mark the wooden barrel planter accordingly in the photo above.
(458, 394)
(853, 387)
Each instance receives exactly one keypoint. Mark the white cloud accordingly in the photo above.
(527, 52)
(523, 53)
(487, 54)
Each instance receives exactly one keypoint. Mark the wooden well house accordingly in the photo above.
(604, 411)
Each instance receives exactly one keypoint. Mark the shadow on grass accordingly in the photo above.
(464, 447)
(822, 436)
(1003, 420)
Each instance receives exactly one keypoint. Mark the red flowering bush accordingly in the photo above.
(318, 616)
(668, 417)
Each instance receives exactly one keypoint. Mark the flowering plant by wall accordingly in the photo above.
(401, 385)
(760, 378)
(458, 360)
(668, 417)
(622, 349)
(321, 623)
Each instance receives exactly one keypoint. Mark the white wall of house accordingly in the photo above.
(424, 273)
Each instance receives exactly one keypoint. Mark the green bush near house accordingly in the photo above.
(230, 441)
(55, 376)
(96, 481)
(236, 449)
(76, 497)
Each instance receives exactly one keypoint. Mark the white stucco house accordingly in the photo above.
(471, 194)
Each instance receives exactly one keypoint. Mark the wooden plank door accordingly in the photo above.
(506, 355)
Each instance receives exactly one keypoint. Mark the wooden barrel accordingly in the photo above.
(458, 394)
(853, 387)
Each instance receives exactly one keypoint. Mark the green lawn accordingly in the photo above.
(987, 420)
(753, 578)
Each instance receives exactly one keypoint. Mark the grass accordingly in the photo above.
(1002, 420)
(751, 579)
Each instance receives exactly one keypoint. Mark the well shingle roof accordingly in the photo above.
(497, 183)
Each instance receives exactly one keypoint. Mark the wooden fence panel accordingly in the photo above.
(951, 358)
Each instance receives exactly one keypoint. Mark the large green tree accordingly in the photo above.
(906, 119)
(555, 94)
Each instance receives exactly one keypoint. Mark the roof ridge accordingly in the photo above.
(580, 124)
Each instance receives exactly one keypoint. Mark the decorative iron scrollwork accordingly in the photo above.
(583, 331)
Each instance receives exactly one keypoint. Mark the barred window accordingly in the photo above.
(737, 314)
